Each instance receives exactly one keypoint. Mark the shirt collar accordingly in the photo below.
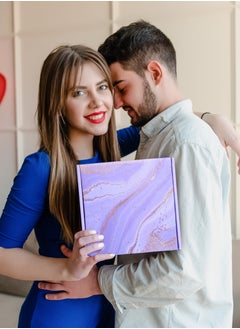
(159, 122)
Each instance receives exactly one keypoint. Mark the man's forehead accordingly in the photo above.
(119, 74)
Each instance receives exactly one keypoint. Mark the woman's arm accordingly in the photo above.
(225, 130)
(24, 265)
(128, 139)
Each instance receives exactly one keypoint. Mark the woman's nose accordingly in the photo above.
(95, 101)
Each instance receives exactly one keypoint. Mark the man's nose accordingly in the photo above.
(117, 101)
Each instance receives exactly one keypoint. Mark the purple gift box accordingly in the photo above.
(132, 203)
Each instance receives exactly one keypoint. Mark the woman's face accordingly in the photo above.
(89, 103)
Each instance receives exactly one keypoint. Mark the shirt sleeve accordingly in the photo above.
(169, 277)
(128, 139)
(152, 282)
(26, 201)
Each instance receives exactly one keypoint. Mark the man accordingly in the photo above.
(191, 287)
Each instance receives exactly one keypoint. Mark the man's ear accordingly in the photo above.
(155, 70)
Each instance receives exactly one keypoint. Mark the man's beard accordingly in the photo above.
(147, 109)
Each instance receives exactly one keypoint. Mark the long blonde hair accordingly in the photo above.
(55, 78)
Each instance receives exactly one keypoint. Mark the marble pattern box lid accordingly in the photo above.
(132, 203)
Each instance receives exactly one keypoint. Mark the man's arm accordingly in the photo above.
(147, 274)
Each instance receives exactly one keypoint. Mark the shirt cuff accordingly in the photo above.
(105, 280)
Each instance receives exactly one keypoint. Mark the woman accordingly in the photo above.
(76, 124)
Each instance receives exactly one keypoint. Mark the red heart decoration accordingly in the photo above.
(3, 84)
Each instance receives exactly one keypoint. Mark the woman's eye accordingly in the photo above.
(77, 93)
(104, 87)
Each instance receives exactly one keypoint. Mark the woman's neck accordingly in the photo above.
(82, 146)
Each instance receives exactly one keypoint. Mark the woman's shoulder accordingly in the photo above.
(37, 163)
(39, 156)
(33, 176)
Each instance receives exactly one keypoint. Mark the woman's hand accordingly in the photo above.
(80, 262)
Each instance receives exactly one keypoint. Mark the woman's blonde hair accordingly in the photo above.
(56, 75)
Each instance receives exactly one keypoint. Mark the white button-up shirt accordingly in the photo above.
(191, 287)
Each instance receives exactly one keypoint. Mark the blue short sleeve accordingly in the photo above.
(26, 201)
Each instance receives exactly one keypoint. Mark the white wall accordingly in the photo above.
(206, 36)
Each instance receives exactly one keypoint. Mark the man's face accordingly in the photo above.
(133, 93)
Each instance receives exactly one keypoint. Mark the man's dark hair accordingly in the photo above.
(136, 44)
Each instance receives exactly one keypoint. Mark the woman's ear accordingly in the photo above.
(155, 70)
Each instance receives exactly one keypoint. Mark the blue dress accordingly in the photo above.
(27, 209)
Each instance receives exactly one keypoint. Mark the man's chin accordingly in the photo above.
(133, 120)
(135, 123)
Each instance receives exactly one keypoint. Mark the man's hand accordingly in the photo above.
(226, 132)
(73, 289)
